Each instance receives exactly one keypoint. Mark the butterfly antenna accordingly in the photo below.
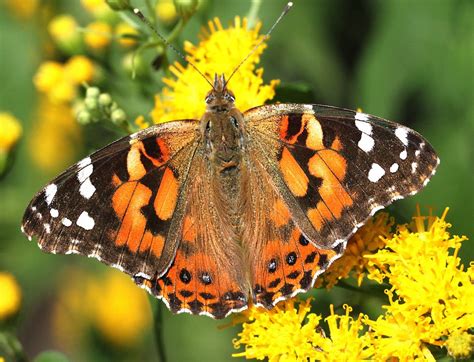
(147, 22)
(266, 36)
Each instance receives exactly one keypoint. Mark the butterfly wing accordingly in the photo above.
(123, 204)
(327, 170)
(207, 275)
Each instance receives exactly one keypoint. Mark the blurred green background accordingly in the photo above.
(408, 61)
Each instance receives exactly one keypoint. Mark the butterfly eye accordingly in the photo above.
(209, 98)
(229, 97)
(208, 126)
(234, 122)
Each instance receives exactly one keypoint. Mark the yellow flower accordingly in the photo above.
(122, 311)
(98, 8)
(434, 293)
(11, 296)
(110, 304)
(60, 81)
(23, 9)
(48, 75)
(64, 31)
(401, 333)
(345, 341)
(166, 11)
(124, 29)
(281, 334)
(141, 123)
(98, 35)
(55, 136)
(10, 131)
(79, 69)
(367, 240)
(220, 51)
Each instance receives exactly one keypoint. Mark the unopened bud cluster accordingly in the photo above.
(99, 107)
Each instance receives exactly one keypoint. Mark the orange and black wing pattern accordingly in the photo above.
(121, 205)
(330, 169)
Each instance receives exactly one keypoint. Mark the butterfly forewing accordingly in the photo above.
(120, 204)
(330, 169)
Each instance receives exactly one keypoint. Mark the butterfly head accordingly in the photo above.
(219, 98)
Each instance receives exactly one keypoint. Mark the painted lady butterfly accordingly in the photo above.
(209, 215)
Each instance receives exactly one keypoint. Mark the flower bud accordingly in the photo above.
(64, 31)
(91, 104)
(118, 116)
(186, 8)
(92, 92)
(118, 4)
(83, 117)
(105, 100)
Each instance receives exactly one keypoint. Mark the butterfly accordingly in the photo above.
(210, 215)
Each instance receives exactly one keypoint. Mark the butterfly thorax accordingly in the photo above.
(222, 129)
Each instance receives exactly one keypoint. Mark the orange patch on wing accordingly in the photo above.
(167, 195)
(127, 205)
(336, 144)
(116, 182)
(331, 167)
(146, 241)
(135, 167)
(157, 245)
(280, 214)
(284, 125)
(293, 174)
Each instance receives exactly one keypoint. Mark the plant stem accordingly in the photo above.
(253, 12)
(158, 326)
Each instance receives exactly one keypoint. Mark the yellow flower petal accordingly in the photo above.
(98, 35)
(11, 296)
(79, 69)
(10, 131)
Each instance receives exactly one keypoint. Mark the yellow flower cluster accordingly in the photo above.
(368, 239)
(219, 51)
(431, 295)
(287, 333)
(429, 305)
(10, 131)
(60, 81)
(11, 296)
(110, 304)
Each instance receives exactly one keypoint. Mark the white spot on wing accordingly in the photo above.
(364, 127)
(361, 116)
(414, 166)
(85, 221)
(47, 228)
(54, 213)
(417, 153)
(402, 135)
(49, 192)
(394, 168)
(366, 143)
(86, 189)
(66, 222)
(376, 173)
(403, 155)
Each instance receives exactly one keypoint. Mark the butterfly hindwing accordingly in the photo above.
(329, 170)
(120, 205)
(207, 275)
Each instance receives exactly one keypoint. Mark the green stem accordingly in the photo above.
(253, 12)
(152, 12)
(158, 329)
(377, 288)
